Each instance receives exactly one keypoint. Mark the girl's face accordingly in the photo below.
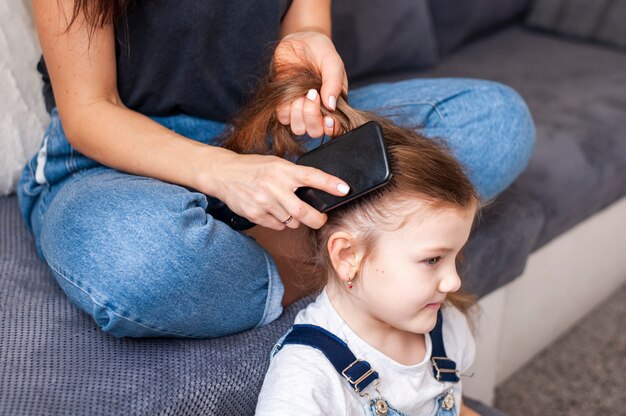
(404, 284)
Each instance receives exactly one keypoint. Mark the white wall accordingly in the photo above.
(563, 281)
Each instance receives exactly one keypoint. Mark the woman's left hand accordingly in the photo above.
(304, 113)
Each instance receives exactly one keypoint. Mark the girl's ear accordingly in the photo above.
(344, 255)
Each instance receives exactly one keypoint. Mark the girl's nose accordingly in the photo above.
(451, 282)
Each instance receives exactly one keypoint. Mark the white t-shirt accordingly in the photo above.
(301, 381)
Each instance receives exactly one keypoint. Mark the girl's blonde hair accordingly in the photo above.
(421, 167)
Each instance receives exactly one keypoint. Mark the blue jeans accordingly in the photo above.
(146, 258)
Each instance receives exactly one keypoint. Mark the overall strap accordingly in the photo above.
(444, 369)
(358, 373)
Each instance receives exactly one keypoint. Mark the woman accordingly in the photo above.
(120, 196)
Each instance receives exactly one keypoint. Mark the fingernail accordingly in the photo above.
(343, 188)
(332, 102)
(311, 95)
(330, 123)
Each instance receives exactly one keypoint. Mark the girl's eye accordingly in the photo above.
(432, 261)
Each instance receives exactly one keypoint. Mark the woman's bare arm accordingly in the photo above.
(307, 15)
(96, 122)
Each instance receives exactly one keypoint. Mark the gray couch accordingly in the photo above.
(55, 361)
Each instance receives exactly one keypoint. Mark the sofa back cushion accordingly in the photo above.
(455, 21)
(22, 113)
(374, 36)
(598, 20)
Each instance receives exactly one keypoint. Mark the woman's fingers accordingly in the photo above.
(303, 212)
(269, 221)
(331, 129)
(287, 204)
(318, 179)
(304, 115)
(334, 81)
(297, 117)
(312, 114)
(283, 214)
(283, 114)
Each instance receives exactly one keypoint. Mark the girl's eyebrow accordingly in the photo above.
(437, 249)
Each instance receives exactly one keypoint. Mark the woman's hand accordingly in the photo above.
(261, 188)
(304, 114)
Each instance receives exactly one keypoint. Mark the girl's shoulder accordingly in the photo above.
(300, 380)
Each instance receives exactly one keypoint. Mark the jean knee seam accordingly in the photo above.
(270, 286)
(44, 196)
(434, 106)
(441, 106)
(100, 304)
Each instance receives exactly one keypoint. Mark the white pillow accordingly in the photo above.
(23, 115)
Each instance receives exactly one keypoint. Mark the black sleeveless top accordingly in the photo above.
(197, 57)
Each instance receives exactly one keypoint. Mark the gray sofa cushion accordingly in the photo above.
(373, 37)
(598, 20)
(457, 20)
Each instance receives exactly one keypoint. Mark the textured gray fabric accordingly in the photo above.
(373, 37)
(577, 95)
(599, 20)
(457, 20)
(55, 361)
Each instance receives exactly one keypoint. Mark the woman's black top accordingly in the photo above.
(197, 57)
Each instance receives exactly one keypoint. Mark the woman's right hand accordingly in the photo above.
(262, 189)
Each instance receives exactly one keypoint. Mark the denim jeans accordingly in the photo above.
(146, 258)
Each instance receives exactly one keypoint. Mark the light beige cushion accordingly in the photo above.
(22, 112)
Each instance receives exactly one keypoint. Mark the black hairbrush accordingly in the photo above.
(358, 157)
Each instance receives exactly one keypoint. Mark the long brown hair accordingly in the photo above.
(421, 167)
(98, 13)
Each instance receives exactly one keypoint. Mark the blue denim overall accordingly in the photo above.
(360, 374)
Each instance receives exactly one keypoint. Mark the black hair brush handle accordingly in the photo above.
(358, 157)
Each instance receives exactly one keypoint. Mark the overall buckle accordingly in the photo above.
(444, 371)
(355, 383)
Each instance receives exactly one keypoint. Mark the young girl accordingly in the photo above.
(387, 335)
